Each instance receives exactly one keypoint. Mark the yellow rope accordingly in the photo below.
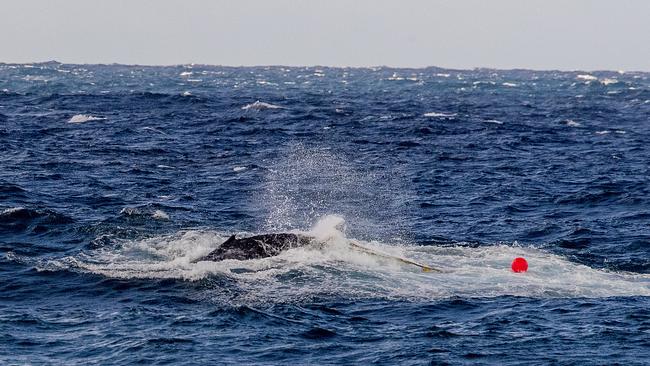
(424, 267)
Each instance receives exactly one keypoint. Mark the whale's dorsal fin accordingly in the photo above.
(230, 240)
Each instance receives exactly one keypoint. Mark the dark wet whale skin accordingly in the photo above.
(259, 246)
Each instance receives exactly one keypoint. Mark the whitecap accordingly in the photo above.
(604, 132)
(395, 77)
(130, 211)
(160, 215)
(36, 78)
(81, 118)
(608, 81)
(264, 82)
(586, 77)
(260, 106)
(11, 210)
(479, 82)
(440, 115)
(572, 123)
(495, 121)
(239, 168)
(512, 85)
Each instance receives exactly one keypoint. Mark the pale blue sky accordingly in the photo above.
(548, 34)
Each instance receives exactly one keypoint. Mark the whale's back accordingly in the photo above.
(259, 246)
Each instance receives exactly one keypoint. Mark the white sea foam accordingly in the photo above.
(82, 118)
(603, 132)
(586, 77)
(479, 82)
(495, 121)
(264, 82)
(607, 81)
(9, 211)
(35, 78)
(160, 215)
(440, 115)
(395, 77)
(572, 123)
(512, 85)
(239, 168)
(336, 269)
(260, 106)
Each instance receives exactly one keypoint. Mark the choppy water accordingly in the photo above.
(113, 179)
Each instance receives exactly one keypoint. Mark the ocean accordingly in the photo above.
(115, 179)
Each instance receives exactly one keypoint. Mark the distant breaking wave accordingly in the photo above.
(440, 115)
(260, 106)
(81, 118)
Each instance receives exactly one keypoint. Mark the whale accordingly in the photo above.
(269, 245)
(258, 246)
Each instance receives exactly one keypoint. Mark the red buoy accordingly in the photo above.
(519, 265)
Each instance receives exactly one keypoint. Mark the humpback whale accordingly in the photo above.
(258, 246)
(269, 245)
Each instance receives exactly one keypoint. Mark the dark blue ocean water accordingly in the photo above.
(113, 179)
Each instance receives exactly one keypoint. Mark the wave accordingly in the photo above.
(82, 118)
(586, 77)
(11, 191)
(21, 219)
(145, 212)
(260, 106)
(337, 270)
(572, 123)
(495, 121)
(440, 115)
(608, 81)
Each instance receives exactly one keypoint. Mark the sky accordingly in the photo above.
(462, 34)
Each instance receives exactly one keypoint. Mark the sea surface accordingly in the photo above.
(114, 179)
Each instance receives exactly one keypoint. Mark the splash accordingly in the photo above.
(305, 184)
(336, 270)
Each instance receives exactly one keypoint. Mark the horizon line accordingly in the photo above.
(322, 65)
